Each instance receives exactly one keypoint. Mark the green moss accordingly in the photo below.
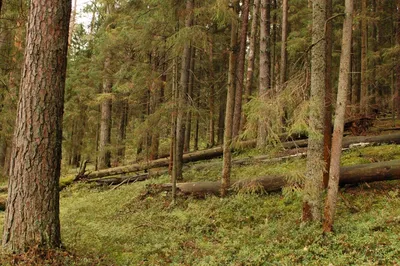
(370, 154)
(243, 229)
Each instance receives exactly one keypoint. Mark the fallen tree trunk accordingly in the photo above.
(373, 172)
(252, 143)
(198, 167)
(217, 152)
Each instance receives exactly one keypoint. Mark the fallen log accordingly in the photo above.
(252, 143)
(120, 179)
(198, 167)
(217, 152)
(373, 172)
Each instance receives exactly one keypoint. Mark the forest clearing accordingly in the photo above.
(183, 132)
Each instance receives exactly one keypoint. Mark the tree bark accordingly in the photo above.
(32, 215)
(221, 117)
(237, 115)
(197, 121)
(397, 89)
(182, 96)
(343, 86)
(123, 124)
(188, 126)
(356, 77)
(328, 93)
(104, 159)
(230, 104)
(252, 53)
(315, 165)
(265, 64)
(72, 23)
(211, 102)
(364, 66)
(285, 9)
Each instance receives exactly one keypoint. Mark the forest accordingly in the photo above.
(214, 132)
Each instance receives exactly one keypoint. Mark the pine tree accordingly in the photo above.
(32, 214)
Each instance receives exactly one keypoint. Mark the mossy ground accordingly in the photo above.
(125, 228)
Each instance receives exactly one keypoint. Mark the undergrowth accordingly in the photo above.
(122, 226)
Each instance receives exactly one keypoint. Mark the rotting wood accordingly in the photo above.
(381, 171)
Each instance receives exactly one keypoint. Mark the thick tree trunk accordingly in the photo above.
(32, 215)
(285, 9)
(230, 104)
(265, 64)
(315, 165)
(336, 152)
(251, 55)
(328, 93)
(237, 115)
(348, 175)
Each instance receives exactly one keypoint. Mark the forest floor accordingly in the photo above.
(125, 226)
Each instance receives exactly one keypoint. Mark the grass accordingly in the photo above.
(126, 228)
(243, 229)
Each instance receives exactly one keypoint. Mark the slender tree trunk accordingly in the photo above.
(237, 115)
(283, 75)
(188, 126)
(397, 90)
(274, 20)
(251, 55)
(265, 63)
(72, 23)
(230, 104)
(104, 159)
(123, 124)
(211, 102)
(315, 165)
(173, 159)
(364, 66)
(328, 93)
(344, 73)
(197, 118)
(182, 95)
(174, 96)
(221, 117)
(356, 80)
(32, 214)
